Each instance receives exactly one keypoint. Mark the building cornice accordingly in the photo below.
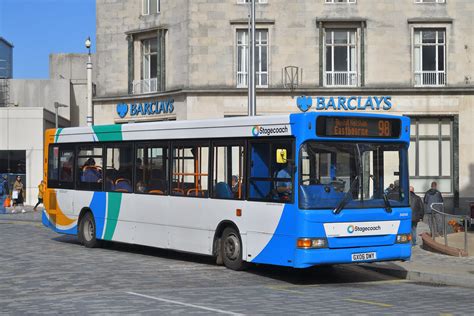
(257, 21)
(424, 20)
(145, 30)
(295, 92)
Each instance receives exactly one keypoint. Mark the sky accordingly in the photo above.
(37, 28)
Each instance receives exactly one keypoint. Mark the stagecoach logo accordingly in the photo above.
(362, 229)
(339, 103)
(267, 131)
(147, 108)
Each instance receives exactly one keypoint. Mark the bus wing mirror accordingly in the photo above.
(281, 156)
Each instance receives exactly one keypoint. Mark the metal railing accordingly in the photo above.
(430, 78)
(145, 86)
(435, 224)
(341, 78)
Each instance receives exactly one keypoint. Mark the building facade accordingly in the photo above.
(29, 110)
(188, 59)
(6, 59)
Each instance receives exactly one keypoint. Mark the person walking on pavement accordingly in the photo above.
(18, 194)
(417, 212)
(3, 193)
(40, 194)
(433, 196)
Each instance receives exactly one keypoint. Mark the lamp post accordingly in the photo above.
(252, 97)
(57, 105)
(90, 110)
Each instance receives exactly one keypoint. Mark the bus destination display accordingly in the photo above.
(357, 127)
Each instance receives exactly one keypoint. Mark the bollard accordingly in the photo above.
(445, 231)
(3, 210)
(433, 233)
(465, 234)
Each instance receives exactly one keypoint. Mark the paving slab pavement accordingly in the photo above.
(430, 267)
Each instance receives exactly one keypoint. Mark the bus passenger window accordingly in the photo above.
(53, 166)
(118, 172)
(270, 180)
(66, 162)
(228, 182)
(89, 165)
(151, 169)
(190, 170)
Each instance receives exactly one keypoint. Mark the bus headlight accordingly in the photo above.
(312, 243)
(403, 238)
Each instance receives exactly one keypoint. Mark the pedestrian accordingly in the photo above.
(3, 194)
(40, 194)
(18, 194)
(417, 212)
(433, 219)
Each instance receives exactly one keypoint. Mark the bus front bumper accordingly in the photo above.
(305, 258)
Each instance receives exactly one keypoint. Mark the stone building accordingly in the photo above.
(187, 59)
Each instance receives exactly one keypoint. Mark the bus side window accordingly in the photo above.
(66, 167)
(151, 169)
(270, 180)
(118, 171)
(190, 170)
(53, 167)
(89, 168)
(228, 172)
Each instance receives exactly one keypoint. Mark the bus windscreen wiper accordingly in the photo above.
(388, 207)
(345, 199)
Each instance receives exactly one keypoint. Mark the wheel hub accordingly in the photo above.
(232, 247)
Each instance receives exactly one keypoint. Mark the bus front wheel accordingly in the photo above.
(87, 231)
(232, 249)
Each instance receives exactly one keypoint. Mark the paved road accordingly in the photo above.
(42, 272)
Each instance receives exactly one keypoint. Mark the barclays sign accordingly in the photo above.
(145, 109)
(352, 103)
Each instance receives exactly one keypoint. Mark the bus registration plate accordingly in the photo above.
(364, 256)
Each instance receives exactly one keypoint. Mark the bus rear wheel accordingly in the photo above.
(231, 249)
(87, 231)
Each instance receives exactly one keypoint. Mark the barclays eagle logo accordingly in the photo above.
(122, 109)
(304, 103)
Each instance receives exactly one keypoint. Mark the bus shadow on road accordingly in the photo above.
(318, 275)
(328, 274)
(143, 250)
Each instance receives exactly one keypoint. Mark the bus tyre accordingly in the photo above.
(87, 231)
(232, 249)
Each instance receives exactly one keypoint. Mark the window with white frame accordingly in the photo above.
(149, 65)
(341, 1)
(261, 58)
(256, 1)
(429, 55)
(431, 153)
(430, 1)
(150, 7)
(341, 57)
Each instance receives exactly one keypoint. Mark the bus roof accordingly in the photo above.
(244, 126)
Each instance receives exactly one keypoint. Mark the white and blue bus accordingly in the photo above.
(296, 190)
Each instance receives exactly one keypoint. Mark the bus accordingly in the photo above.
(296, 190)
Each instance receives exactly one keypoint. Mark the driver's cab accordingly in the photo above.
(356, 173)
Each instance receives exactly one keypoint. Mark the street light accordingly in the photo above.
(90, 110)
(252, 96)
(58, 105)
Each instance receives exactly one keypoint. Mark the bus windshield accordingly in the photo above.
(356, 175)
